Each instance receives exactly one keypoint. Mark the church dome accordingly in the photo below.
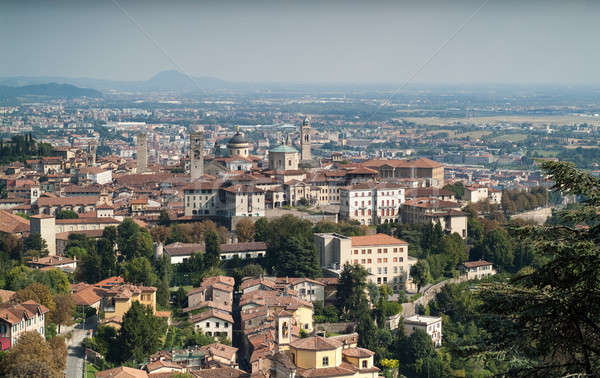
(238, 138)
(284, 148)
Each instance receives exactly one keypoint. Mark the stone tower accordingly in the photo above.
(306, 140)
(45, 225)
(141, 153)
(92, 148)
(196, 154)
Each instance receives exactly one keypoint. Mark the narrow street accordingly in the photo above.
(75, 350)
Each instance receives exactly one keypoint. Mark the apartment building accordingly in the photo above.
(383, 256)
(432, 325)
(370, 203)
(430, 210)
(19, 318)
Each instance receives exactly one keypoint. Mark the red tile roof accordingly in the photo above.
(378, 239)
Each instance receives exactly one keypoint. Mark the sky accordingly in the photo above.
(305, 41)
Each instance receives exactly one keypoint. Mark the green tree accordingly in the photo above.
(67, 214)
(420, 274)
(545, 322)
(34, 242)
(125, 231)
(212, 254)
(351, 299)
(140, 334)
(32, 356)
(139, 271)
(164, 219)
(138, 245)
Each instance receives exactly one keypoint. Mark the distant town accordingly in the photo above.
(275, 233)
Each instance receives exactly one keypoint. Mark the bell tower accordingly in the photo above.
(306, 140)
(196, 154)
(284, 329)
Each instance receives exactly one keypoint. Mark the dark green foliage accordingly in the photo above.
(544, 322)
(420, 273)
(327, 314)
(139, 271)
(211, 255)
(352, 228)
(290, 247)
(23, 147)
(67, 214)
(458, 189)
(140, 334)
(417, 356)
(351, 299)
(164, 219)
(497, 247)
(34, 242)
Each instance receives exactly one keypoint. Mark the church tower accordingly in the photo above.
(284, 329)
(306, 140)
(141, 153)
(196, 154)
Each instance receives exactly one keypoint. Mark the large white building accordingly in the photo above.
(383, 256)
(370, 203)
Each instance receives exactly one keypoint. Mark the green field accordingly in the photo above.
(510, 138)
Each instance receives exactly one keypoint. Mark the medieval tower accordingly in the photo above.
(196, 154)
(141, 153)
(306, 140)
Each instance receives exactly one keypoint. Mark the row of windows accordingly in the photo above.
(362, 194)
(379, 250)
(218, 325)
(379, 260)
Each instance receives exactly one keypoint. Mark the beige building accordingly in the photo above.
(318, 356)
(213, 322)
(383, 256)
(422, 168)
(283, 158)
(428, 210)
(476, 193)
(475, 270)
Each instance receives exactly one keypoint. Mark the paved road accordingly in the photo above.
(75, 350)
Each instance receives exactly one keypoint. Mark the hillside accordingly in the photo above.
(48, 90)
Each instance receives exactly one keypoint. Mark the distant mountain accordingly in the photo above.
(173, 81)
(48, 90)
(177, 81)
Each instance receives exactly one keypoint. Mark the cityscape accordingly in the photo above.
(262, 220)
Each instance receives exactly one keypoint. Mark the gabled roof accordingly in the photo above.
(316, 343)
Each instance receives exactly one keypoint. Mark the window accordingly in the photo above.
(325, 361)
(362, 261)
(379, 260)
(368, 261)
(385, 260)
(395, 259)
(364, 364)
(217, 324)
(207, 324)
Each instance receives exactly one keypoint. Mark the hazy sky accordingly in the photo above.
(509, 41)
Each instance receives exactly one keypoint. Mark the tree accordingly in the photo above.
(140, 334)
(497, 247)
(544, 322)
(67, 214)
(38, 293)
(125, 231)
(32, 356)
(212, 254)
(164, 219)
(420, 274)
(351, 299)
(34, 242)
(138, 245)
(56, 280)
(296, 258)
(139, 271)
(64, 310)
(244, 230)
(457, 189)
(160, 234)
(417, 356)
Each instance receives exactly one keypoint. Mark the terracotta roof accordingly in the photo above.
(475, 264)
(12, 224)
(243, 247)
(212, 313)
(357, 352)
(122, 372)
(87, 296)
(220, 350)
(377, 239)
(416, 163)
(51, 260)
(183, 249)
(163, 364)
(64, 201)
(14, 313)
(222, 372)
(315, 343)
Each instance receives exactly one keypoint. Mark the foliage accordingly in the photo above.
(164, 219)
(64, 310)
(545, 322)
(244, 230)
(290, 248)
(140, 334)
(139, 271)
(458, 189)
(417, 356)
(420, 274)
(67, 214)
(34, 242)
(325, 314)
(32, 356)
(23, 147)
(351, 299)
(350, 228)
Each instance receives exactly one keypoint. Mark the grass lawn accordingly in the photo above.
(90, 370)
(474, 134)
(511, 137)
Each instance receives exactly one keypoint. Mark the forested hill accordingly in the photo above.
(48, 90)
